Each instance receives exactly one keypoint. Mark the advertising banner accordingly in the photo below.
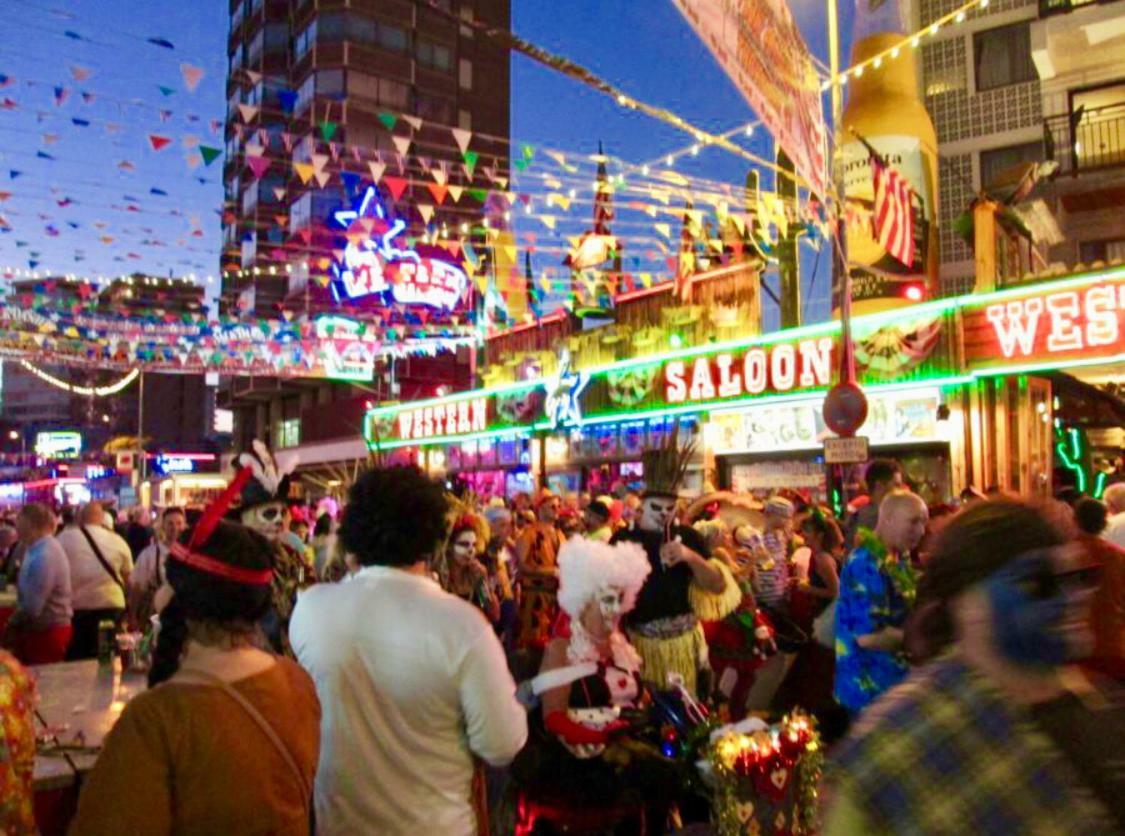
(760, 48)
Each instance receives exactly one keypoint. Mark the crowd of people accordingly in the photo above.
(360, 674)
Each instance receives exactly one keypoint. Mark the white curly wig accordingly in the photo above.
(586, 566)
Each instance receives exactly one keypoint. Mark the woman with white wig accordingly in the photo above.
(590, 675)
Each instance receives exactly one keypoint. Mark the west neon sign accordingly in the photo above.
(1080, 322)
(373, 266)
(459, 417)
(757, 370)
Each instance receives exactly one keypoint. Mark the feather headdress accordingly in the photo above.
(269, 475)
(666, 465)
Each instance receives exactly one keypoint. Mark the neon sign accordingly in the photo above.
(1079, 322)
(754, 371)
(564, 400)
(173, 464)
(465, 416)
(373, 266)
(58, 445)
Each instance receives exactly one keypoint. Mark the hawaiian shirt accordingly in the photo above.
(17, 747)
(947, 753)
(874, 594)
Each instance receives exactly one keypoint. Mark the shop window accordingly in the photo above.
(1002, 56)
(997, 160)
(287, 433)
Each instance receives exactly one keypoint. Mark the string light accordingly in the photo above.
(957, 16)
(85, 391)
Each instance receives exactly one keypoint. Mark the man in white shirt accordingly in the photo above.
(97, 583)
(412, 680)
(1114, 499)
(148, 573)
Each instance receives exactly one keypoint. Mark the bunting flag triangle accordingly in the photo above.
(439, 174)
(319, 161)
(402, 143)
(209, 154)
(194, 160)
(322, 178)
(258, 165)
(663, 229)
(288, 100)
(279, 192)
(412, 121)
(396, 185)
(462, 138)
(248, 112)
(389, 120)
(548, 221)
(304, 171)
(79, 73)
(253, 149)
(167, 91)
(328, 130)
(158, 142)
(480, 195)
(426, 211)
(192, 76)
(254, 76)
(287, 140)
(438, 191)
(376, 169)
(455, 192)
(470, 164)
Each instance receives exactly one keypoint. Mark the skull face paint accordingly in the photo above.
(265, 519)
(611, 602)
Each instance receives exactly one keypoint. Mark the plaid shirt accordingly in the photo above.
(945, 753)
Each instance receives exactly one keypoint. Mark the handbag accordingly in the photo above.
(824, 626)
(101, 559)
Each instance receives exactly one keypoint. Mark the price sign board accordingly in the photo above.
(845, 450)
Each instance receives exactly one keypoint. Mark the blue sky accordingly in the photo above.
(643, 46)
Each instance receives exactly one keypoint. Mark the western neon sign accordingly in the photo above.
(1080, 322)
(373, 266)
(758, 370)
(459, 417)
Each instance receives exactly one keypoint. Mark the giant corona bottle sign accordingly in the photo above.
(884, 109)
(374, 265)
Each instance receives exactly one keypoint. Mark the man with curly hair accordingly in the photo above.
(412, 681)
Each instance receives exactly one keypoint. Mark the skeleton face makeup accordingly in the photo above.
(656, 511)
(265, 519)
(611, 601)
(464, 547)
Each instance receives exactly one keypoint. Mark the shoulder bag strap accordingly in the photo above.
(262, 723)
(101, 558)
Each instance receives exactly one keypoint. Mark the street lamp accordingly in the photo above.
(13, 435)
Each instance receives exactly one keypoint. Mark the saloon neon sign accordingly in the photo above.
(373, 265)
(753, 371)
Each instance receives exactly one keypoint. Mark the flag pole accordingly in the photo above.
(840, 251)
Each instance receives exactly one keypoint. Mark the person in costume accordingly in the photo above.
(536, 553)
(684, 586)
(462, 572)
(264, 507)
(226, 738)
(590, 678)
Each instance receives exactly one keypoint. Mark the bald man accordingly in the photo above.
(100, 565)
(876, 592)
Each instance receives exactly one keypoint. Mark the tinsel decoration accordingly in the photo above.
(767, 779)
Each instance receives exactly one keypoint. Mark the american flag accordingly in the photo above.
(893, 221)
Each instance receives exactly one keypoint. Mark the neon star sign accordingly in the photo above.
(564, 398)
(373, 265)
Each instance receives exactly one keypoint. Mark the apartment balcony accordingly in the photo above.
(1074, 36)
(1087, 140)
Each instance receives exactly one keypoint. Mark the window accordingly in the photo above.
(392, 38)
(304, 41)
(333, 27)
(433, 55)
(255, 7)
(304, 94)
(466, 15)
(1091, 251)
(998, 160)
(381, 91)
(433, 109)
(1002, 56)
(254, 51)
(249, 200)
(287, 433)
(465, 73)
(236, 17)
(315, 206)
(330, 83)
(465, 120)
(276, 37)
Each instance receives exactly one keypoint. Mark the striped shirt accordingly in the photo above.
(771, 579)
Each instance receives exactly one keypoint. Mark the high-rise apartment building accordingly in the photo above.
(323, 77)
(342, 85)
(1029, 81)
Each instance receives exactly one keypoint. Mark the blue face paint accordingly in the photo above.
(1027, 608)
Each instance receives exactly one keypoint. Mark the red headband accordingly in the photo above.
(254, 577)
